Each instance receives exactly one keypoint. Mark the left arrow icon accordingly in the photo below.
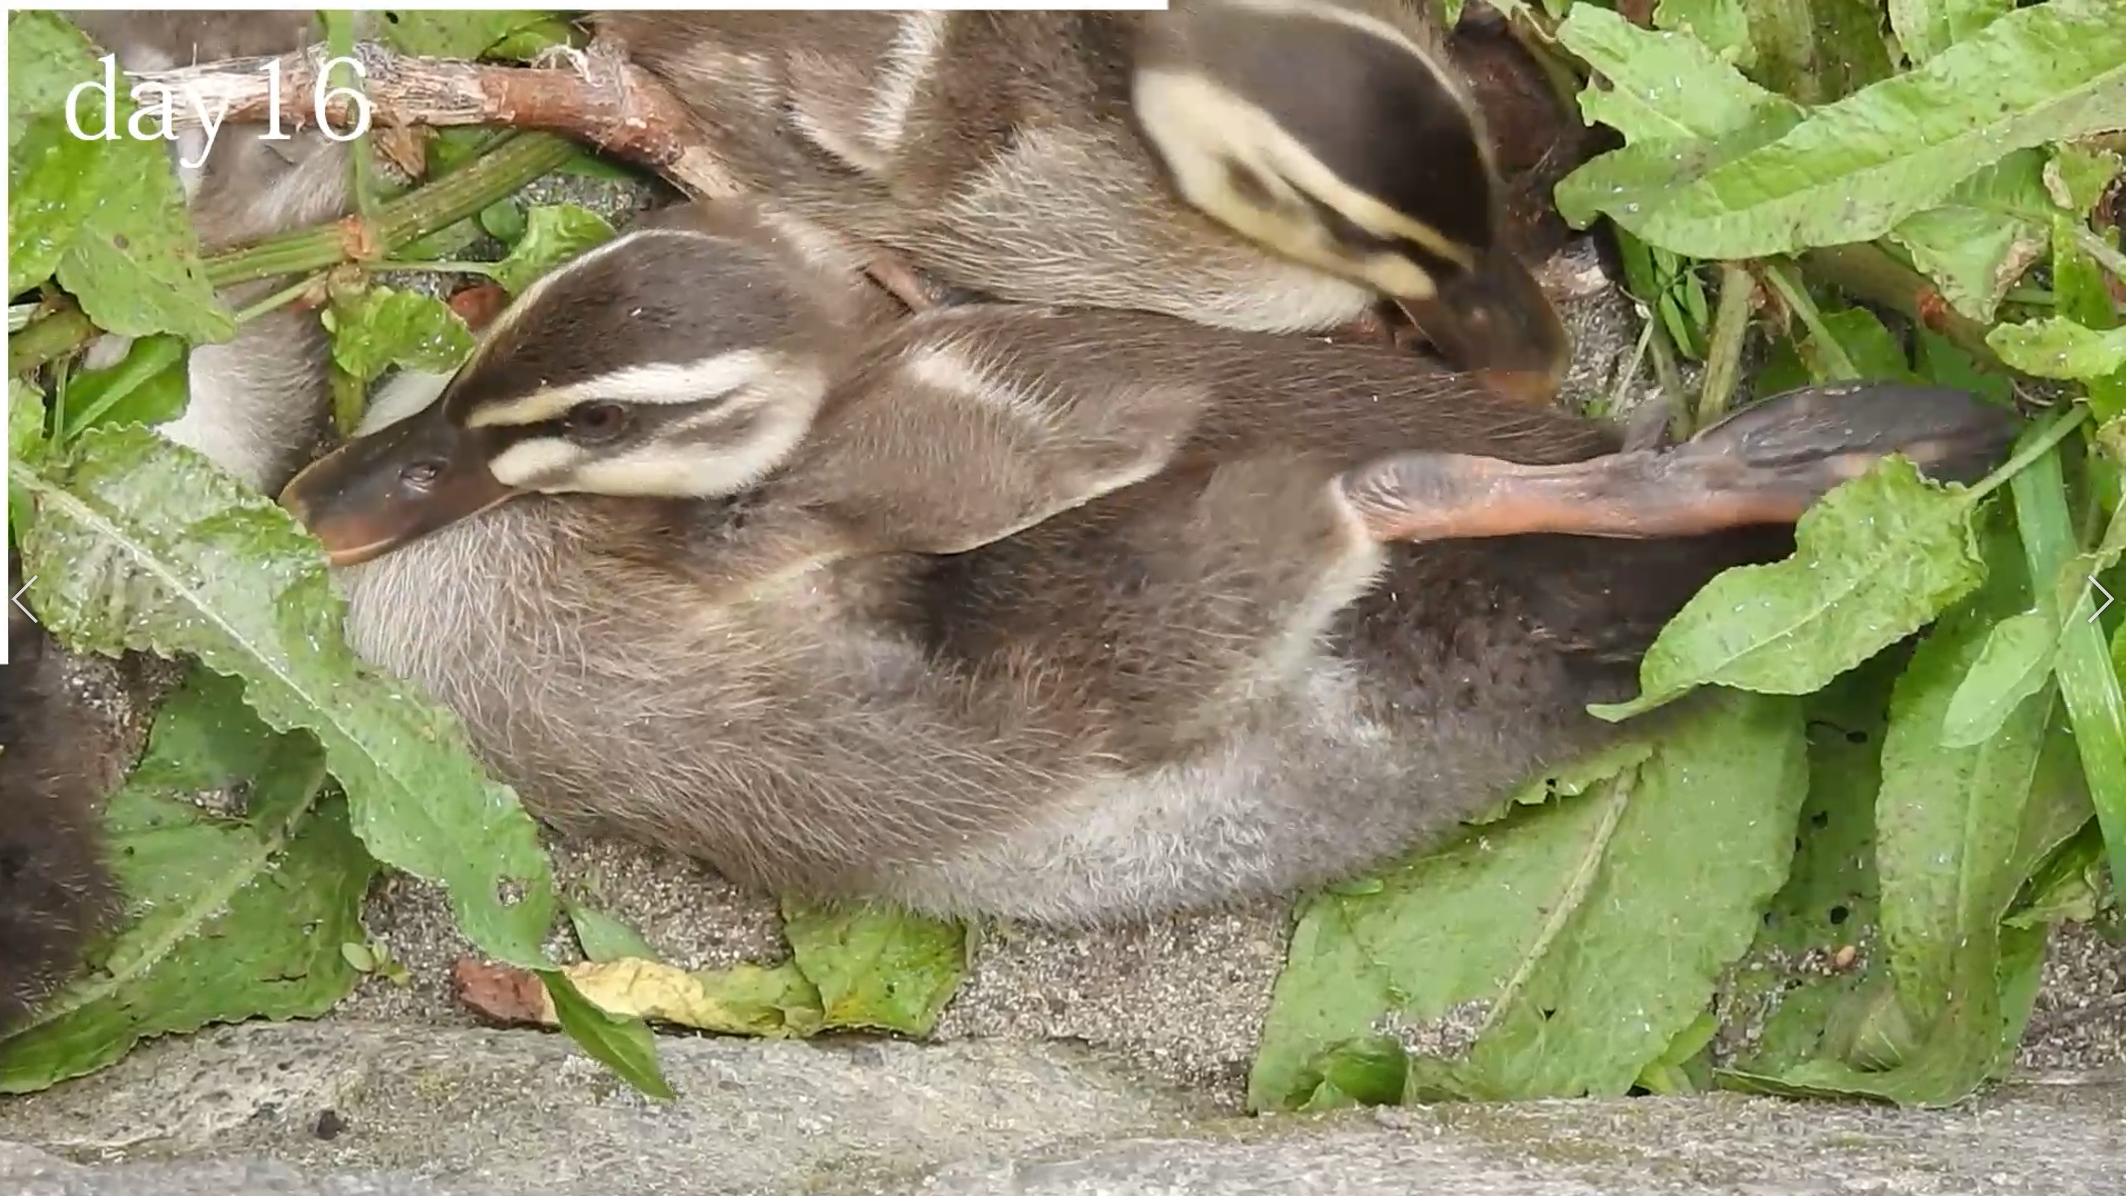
(16, 598)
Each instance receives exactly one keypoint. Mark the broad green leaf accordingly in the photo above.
(229, 919)
(504, 221)
(605, 938)
(2015, 662)
(1925, 28)
(1987, 234)
(25, 421)
(468, 34)
(1723, 25)
(552, 235)
(143, 544)
(1814, 51)
(1864, 342)
(1958, 832)
(877, 968)
(2081, 291)
(1678, 1070)
(1663, 88)
(381, 328)
(1875, 560)
(1853, 170)
(2058, 348)
(1944, 363)
(105, 216)
(1591, 929)
(623, 1044)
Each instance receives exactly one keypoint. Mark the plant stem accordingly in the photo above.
(1870, 273)
(278, 299)
(339, 38)
(52, 337)
(518, 160)
(1796, 297)
(484, 269)
(1723, 350)
(2039, 445)
(2104, 252)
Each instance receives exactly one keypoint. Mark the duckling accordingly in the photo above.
(1326, 618)
(1263, 165)
(56, 891)
(258, 402)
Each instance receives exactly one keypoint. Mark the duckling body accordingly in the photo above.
(56, 890)
(258, 401)
(1257, 166)
(1026, 674)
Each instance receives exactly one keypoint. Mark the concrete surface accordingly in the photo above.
(343, 1108)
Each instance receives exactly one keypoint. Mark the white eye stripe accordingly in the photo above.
(521, 463)
(662, 384)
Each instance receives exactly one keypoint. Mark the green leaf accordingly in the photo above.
(1958, 832)
(1813, 51)
(623, 1044)
(1855, 169)
(1874, 561)
(604, 937)
(1868, 346)
(1368, 1071)
(148, 387)
(504, 221)
(1663, 88)
(2015, 662)
(1987, 234)
(106, 216)
(553, 234)
(230, 919)
(1592, 928)
(2076, 177)
(877, 968)
(25, 421)
(380, 328)
(1925, 28)
(143, 544)
(1723, 25)
(2058, 348)
(466, 34)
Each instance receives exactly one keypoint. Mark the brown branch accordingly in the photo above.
(604, 101)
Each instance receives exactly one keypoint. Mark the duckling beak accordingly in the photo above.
(385, 490)
(1496, 322)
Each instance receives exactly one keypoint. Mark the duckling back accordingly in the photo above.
(258, 401)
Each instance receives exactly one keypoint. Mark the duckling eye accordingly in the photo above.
(420, 475)
(596, 423)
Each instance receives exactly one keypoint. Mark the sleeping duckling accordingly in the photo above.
(1267, 655)
(1265, 165)
(258, 401)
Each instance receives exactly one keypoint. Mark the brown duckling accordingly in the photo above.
(258, 402)
(1266, 165)
(56, 891)
(1211, 674)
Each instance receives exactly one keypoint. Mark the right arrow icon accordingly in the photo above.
(2098, 586)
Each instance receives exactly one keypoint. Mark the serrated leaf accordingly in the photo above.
(877, 968)
(230, 919)
(1987, 234)
(1875, 560)
(1592, 927)
(605, 938)
(143, 544)
(2059, 348)
(553, 234)
(623, 1044)
(380, 328)
(106, 216)
(1925, 28)
(2014, 664)
(463, 33)
(1663, 88)
(1852, 170)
